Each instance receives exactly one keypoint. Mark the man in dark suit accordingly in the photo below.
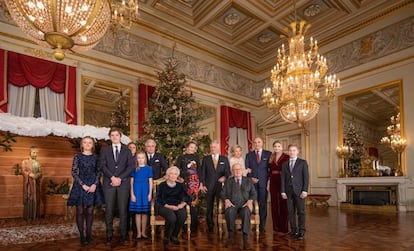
(294, 188)
(238, 195)
(257, 168)
(155, 160)
(213, 173)
(116, 163)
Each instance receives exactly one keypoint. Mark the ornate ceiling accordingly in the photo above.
(246, 34)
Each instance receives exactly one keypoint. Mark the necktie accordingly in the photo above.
(116, 153)
(215, 161)
(238, 181)
(257, 157)
(150, 158)
(291, 164)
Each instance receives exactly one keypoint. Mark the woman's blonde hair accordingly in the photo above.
(233, 148)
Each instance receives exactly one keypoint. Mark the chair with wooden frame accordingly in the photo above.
(254, 219)
(157, 220)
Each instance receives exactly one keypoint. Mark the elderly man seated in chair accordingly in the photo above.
(238, 195)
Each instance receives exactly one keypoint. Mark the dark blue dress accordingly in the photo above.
(85, 171)
(141, 190)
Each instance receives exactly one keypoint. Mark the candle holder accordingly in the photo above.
(395, 141)
(344, 152)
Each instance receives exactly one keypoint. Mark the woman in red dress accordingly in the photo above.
(279, 208)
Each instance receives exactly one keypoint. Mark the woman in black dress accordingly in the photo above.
(171, 200)
(86, 191)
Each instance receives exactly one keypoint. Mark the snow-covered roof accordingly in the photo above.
(35, 127)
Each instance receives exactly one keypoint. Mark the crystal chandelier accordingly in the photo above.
(77, 25)
(394, 138)
(123, 14)
(297, 77)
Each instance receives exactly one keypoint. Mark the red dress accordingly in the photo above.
(279, 208)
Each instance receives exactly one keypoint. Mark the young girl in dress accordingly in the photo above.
(141, 194)
(86, 191)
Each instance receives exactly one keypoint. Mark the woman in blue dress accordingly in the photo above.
(86, 191)
(141, 194)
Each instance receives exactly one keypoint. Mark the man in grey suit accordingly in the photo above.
(116, 163)
(213, 172)
(294, 188)
(238, 195)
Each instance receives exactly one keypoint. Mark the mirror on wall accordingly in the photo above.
(209, 123)
(101, 98)
(364, 116)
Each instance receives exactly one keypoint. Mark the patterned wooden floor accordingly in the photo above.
(327, 229)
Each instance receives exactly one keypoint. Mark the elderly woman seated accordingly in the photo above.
(171, 201)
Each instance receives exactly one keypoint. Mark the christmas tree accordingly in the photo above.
(120, 117)
(353, 139)
(173, 114)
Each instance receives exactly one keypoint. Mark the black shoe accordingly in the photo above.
(124, 242)
(246, 245)
(166, 241)
(292, 234)
(210, 229)
(109, 241)
(175, 240)
(83, 241)
(89, 239)
(301, 236)
(229, 243)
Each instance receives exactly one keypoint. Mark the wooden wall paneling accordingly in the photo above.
(55, 155)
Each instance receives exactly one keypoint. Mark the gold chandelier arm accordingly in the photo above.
(53, 14)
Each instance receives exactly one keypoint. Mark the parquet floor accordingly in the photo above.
(327, 229)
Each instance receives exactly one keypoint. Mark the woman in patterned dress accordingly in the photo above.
(86, 191)
(189, 163)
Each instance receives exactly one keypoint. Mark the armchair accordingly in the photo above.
(254, 219)
(157, 220)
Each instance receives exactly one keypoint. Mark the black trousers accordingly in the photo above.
(211, 196)
(296, 208)
(262, 201)
(231, 214)
(174, 221)
(120, 196)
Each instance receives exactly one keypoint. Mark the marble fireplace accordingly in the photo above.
(376, 191)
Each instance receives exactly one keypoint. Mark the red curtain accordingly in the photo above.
(3, 81)
(23, 70)
(233, 117)
(144, 94)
